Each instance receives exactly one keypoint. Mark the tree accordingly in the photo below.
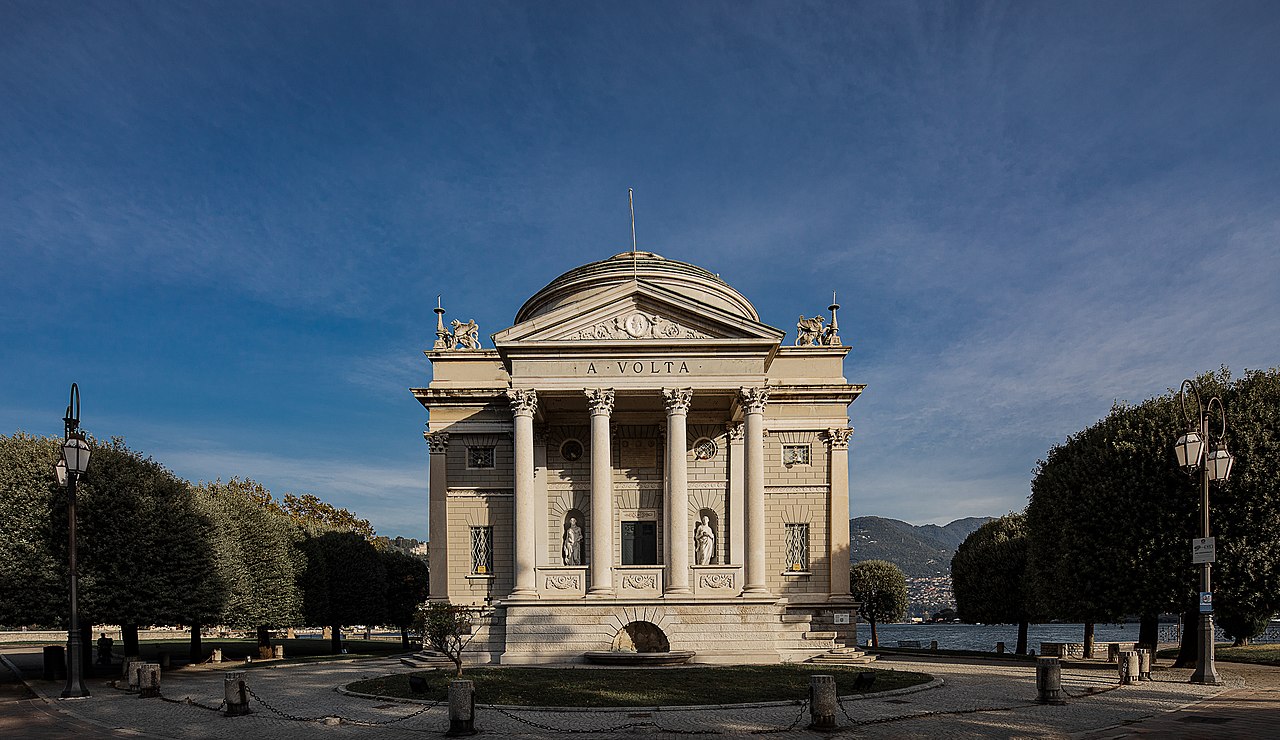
(257, 554)
(989, 576)
(447, 629)
(407, 587)
(1111, 514)
(345, 581)
(309, 511)
(33, 576)
(881, 588)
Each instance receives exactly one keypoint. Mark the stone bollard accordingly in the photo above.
(216, 656)
(1127, 667)
(277, 652)
(1113, 652)
(1049, 681)
(822, 703)
(1144, 664)
(236, 693)
(148, 679)
(933, 645)
(163, 658)
(999, 647)
(131, 666)
(462, 708)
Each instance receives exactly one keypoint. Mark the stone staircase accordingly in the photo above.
(797, 640)
(424, 659)
(842, 656)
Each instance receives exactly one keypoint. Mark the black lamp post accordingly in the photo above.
(75, 460)
(1214, 466)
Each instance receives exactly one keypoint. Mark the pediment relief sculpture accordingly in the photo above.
(636, 325)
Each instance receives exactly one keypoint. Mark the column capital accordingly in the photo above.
(677, 400)
(437, 441)
(754, 399)
(838, 438)
(600, 400)
(524, 402)
(735, 431)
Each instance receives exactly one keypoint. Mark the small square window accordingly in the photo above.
(482, 551)
(795, 455)
(479, 457)
(797, 548)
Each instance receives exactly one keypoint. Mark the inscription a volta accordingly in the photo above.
(635, 367)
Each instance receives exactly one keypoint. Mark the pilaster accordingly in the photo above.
(438, 515)
(838, 526)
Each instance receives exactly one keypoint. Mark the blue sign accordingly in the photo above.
(1206, 602)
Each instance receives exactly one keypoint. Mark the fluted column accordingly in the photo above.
(838, 527)
(438, 515)
(523, 405)
(677, 503)
(737, 518)
(753, 402)
(601, 530)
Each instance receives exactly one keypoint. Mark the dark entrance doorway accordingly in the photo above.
(639, 543)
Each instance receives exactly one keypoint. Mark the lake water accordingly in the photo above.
(985, 636)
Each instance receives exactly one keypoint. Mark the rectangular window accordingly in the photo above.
(795, 455)
(797, 547)
(639, 543)
(479, 457)
(482, 551)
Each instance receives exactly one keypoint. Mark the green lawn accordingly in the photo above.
(600, 687)
(1268, 654)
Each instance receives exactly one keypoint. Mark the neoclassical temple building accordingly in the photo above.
(640, 464)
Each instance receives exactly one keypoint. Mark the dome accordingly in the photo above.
(583, 282)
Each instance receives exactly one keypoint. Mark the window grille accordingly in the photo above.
(482, 551)
(795, 454)
(480, 457)
(798, 547)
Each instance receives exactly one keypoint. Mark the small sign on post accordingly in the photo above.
(1202, 550)
(1206, 601)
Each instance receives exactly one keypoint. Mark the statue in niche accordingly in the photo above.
(571, 551)
(809, 331)
(466, 335)
(704, 541)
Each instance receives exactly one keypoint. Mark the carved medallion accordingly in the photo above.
(640, 581)
(562, 582)
(716, 580)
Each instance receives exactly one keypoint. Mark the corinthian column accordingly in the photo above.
(438, 516)
(753, 401)
(838, 527)
(601, 530)
(523, 405)
(677, 503)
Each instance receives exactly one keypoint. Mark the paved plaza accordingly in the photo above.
(970, 700)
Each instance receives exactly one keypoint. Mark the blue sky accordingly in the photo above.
(229, 222)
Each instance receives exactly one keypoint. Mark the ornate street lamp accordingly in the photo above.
(74, 462)
(1215, 466)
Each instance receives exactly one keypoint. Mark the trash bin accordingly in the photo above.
(55, 663)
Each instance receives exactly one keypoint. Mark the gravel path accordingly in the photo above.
(973, 700)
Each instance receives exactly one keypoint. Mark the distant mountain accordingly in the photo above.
(920, 551)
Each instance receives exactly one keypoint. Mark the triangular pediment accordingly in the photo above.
(637, 313)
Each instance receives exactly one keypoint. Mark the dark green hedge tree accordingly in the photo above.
(989, 576)
(881, 588)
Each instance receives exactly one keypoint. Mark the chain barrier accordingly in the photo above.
(931, 713)
(571, 731)
(347, 720)
(804, 705)
(192, 702)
